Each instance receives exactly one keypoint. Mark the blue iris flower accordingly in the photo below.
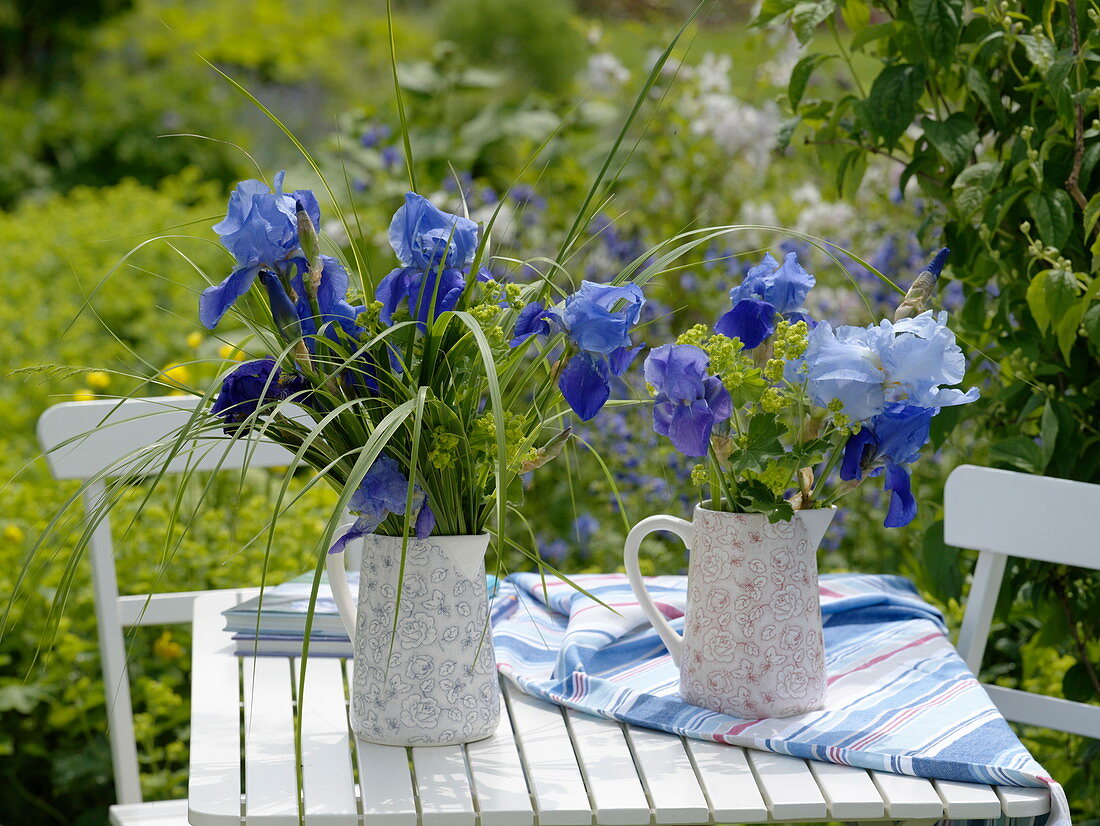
(433, 248)
(260, 229)
(866, 368)
(689, 401)
(252, 384)
(768, 289)
(597, 319)
(886, 445)
(533, 320)
(384, 490)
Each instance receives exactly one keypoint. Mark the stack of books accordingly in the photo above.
(278, 628)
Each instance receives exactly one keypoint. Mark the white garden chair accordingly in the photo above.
(83, 440)
(1002, 513)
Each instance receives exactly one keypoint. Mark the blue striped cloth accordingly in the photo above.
(899, 697)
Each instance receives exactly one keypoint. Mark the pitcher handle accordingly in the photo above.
(341, 593)
(683, 529)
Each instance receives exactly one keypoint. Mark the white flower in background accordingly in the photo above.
(671, 67)
(777, 71)
(736, 127)
(606, 73)
(806, 193)
(753, 212)
(827, 219)
(713, 73)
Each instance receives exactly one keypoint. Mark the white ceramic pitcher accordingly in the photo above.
(752, 644)
(430, 679)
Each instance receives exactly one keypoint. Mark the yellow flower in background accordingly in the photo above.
(14, 534)
(229, 351)
(194, 339)
(166, 648)
(176, 373)
(98, 379)
(84, 395)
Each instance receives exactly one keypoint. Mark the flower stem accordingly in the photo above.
(834, 458)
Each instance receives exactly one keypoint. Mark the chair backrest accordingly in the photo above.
(1001, 513)
(99, 439)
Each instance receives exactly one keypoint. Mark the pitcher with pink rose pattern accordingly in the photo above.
(752, 644)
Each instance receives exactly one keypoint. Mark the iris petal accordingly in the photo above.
(584, 385)
(215, 301)
(690, 428)
(750, 320)
(903, 507)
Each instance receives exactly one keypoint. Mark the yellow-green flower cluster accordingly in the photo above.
(443, 453)
(699, 476)
(839, 419)
(483, 435)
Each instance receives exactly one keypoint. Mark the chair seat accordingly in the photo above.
(156, 813)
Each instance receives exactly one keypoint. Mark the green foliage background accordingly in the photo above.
(85, 179)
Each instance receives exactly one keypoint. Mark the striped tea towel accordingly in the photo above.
(899, 697)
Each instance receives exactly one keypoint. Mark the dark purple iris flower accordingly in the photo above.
(384, 490)
(252, 384)
(886, 445)
(689, 401)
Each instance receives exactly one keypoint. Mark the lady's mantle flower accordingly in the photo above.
(864, 368)
(434, 248)
(252, 384)
(597, 319)
(689, 402)
(260, 229)
(769, 289)
(384, 490)
(889, 442)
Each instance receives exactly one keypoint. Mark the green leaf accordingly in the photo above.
(850, 172)
(856, 14)
(771, 9)
(1040, 51)
(871, 34)
(1050, 296)
(1048, 432)
(981, 87)
(761, 443)
(807, 15)
(1077, 685)
(954, 138)
(800, 76)
(893, 101)
(1092, 212)
(1058, 78)
(973, 185)
(1052, 210)
(21, 698)
(940, 563)
(1091, 322)
(1018, 452)
(938, 23)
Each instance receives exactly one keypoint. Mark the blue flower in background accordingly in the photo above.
(768, 289)
(689, 402)
(887, 444)
(260, 229)
(252, 384)
(384, 490)
(434, 248)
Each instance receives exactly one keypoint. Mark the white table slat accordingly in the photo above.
(270, 781)
(669, 777)
(1023, 802)
(849, 791)
(385, 784)
(728, 782)
(617, 793)
(968, 800)
(908, 797)
(788, 786)
(499, 783)
(214, 783)
(329, 793)
(560, 794)
(443, 786)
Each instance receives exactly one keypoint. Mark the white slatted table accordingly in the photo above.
(544, 765)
